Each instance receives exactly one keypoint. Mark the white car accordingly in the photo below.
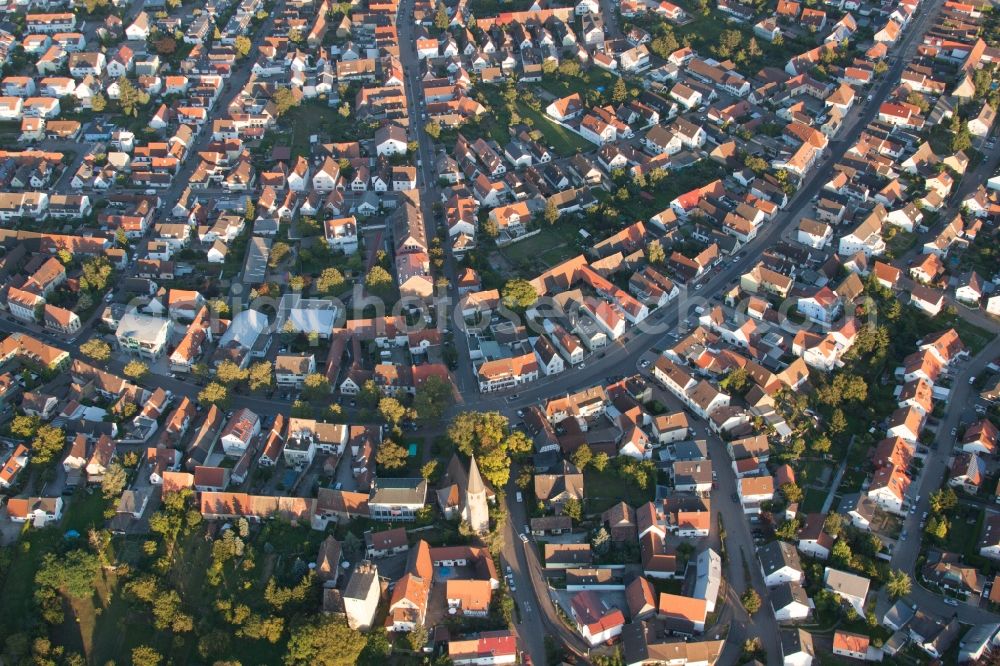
(524, 538)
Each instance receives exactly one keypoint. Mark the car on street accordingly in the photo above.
(950, 601)
(644, 364)
(524, 538)
(972, 380)
(902, 537)
(954, 431)
(735, 497)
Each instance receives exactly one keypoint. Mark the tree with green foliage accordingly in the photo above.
(260, 376)
(655, 254)
(736, 381)
(569, 68)
(899, 584)
(330, 281)
(551, 212)
(820, 444)
(47, 445)
(230, 373)
(751, 601)
(391, 410)
(284, 100)
(214, 394)
(487, 436)
(429, 471)
(96, 274)
(433, 398)
(219, 307)
(315, 385)
(638, 472)
(833, 524)
(519, 294)
(600, 461)
(96, 350)
(619, 92)
(573, 508)
(279, 252)
(378, 278)
(433, 129)
(24, 426)
(302, 409)
(98, 103)
(242, 45)
(144, 655)
(130, 98)
(841, 552)
(72, 573)
(838, 422)
(441, 20)
(391, 455)
(114, 481)
(789, 530)
(582, 456)
(135, 370)
(665, 44)
(942, 501)
(962, 139)
(791, 492)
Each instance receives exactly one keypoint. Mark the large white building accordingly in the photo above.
(143, 335)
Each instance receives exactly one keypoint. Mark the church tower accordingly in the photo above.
(475, 510)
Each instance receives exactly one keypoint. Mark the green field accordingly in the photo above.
(317, 118)
(563, 141)
(551, 246)
(605, 489)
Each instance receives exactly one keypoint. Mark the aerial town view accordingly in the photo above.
(485, 332)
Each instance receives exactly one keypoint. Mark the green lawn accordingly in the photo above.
(813, 501)
(593, 79)
(562, 140)
(605, 489)
(84, 512)
(317, 118)
(900, 243)
(552, 245)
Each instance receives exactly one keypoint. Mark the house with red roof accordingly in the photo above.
(596, 619)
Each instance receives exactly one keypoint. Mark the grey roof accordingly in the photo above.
(399, 491)
(696, 450)
(899, 615)
(361, 580)
(777, 554)
(977, 637)
(925, 626)
(794, 641)
(244, 329)
(787, 593)
(846, 583)
(709, 577)
(140, 326)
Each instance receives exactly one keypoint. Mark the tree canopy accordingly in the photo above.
(324, 641)
(433, 398)
(487, 436)
(519, 294)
